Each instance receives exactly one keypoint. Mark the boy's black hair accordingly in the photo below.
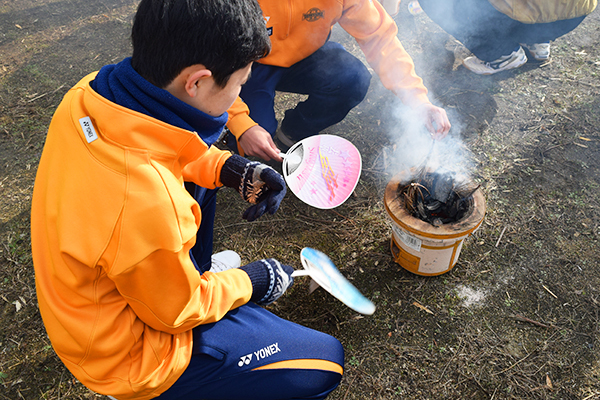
(222, 35)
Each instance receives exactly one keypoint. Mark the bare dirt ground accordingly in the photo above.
(517, 318)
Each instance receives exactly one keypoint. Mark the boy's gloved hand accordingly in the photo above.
(270, 279)
(258, 184)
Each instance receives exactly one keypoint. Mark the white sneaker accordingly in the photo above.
(511, 61)
(539, 51)
(225, 260)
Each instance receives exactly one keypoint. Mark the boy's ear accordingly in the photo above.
(195, 78)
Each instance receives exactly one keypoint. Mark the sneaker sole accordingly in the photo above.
(516, 64)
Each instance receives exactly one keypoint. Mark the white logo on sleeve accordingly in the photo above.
(88, 129)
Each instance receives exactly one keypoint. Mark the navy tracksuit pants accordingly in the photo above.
(251, 354)
(334, 80)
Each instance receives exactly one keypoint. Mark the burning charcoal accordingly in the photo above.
(434, 205)
(442, 183)
(465, 188)
(436, 198)
(442, 188)
(422, 213)
(453, 206)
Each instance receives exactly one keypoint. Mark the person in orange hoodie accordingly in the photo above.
(303, 60)
(122, 251)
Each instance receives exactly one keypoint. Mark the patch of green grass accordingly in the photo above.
(18, 248)
(38, 75)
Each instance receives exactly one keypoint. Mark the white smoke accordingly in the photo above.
(413, 143)
(411, 140)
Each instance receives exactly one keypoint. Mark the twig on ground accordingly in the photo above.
(525, 319)
(514, 365)
(343, 216)
(460, 347)
(472, 378)
(422, 307)
(574, 80)
(590, 396)
(500, 238)
(45, 94)
(553, 147)
(548, 290)
(349, 387)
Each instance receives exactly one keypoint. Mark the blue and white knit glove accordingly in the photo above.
(270, 279)
(257, 183)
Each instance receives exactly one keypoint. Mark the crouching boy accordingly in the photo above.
(122, 251)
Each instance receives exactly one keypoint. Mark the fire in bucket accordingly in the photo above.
(431, 217)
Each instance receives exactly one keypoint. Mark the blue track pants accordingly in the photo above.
(251, 354)
(334, 80)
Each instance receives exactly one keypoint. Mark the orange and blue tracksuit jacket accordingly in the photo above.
(300, 27)
(112, 227)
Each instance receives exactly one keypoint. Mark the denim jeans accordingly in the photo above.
(488, 33)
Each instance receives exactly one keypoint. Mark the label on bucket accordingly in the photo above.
(408, 239)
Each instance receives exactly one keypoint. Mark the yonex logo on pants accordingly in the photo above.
(245, 360)
(260, 354)
(267, 351)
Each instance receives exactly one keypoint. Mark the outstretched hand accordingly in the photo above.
(257, 142)
(435, 119)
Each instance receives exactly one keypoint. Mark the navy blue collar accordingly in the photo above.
(121, 84)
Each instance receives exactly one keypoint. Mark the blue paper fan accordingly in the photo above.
(322, 270)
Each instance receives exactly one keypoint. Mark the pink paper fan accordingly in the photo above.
(322, 170)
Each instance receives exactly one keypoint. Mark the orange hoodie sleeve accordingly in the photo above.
(151, 266)
(239, 118)
(168, 294)
(205, 170)
(375, 32)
